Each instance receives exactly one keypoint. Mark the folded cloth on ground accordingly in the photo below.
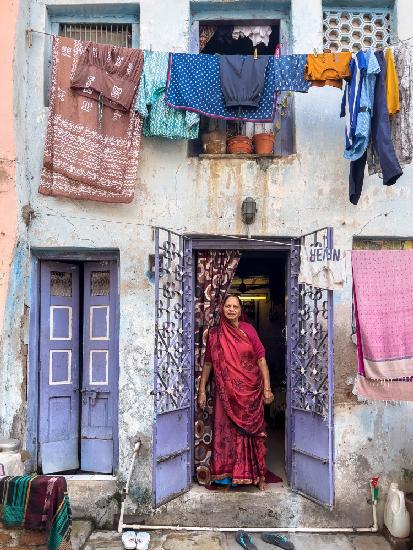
(91, 150)
(194, 84)
(383, 304)
(38, 503)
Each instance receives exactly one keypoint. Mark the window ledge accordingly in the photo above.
(243, 156)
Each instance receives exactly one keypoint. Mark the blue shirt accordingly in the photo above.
(362, 133)
(351, 98)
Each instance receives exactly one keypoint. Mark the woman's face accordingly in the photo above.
(232, 309)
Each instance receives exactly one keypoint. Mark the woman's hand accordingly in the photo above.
(202, 399)
(268, 396)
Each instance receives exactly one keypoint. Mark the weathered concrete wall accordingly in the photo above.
(13, 231)
(294, 195)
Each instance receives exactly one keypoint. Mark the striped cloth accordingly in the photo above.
(38, 503)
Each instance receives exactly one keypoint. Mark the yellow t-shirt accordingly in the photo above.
(392, 84)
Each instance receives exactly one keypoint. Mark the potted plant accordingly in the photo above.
(238, 143)
(264, 141)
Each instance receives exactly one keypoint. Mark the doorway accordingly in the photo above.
(187, 297)
(260, 281)
(77, 366)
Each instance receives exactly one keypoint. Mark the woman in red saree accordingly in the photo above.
(237, 356)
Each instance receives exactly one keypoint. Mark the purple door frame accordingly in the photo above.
(33, 359)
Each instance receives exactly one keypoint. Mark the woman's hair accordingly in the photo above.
(232, 295)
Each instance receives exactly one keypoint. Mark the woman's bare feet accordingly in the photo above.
(262, 486)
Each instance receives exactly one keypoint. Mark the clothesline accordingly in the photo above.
(30, 30)
(193, 234)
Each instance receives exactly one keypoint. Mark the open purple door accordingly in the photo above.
(59, 367)
(173, 388)
(100, 366)
(310, 381)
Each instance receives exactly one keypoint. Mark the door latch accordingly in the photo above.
(92, 396)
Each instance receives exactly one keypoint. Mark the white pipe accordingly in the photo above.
(125, 493)
(137, 527)
(373, 529)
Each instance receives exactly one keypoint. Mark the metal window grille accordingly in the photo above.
(351, 31)
(116, 34)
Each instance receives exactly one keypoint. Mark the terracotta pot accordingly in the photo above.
(263, 143)
(239, 144)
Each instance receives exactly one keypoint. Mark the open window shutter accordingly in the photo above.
(59, 367)
(100, 366)
(173, 380)
(311, 384)
(284, 142)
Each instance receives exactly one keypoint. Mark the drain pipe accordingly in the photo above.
(142, 527)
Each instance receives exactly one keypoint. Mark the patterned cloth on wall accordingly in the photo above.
(160, 119)
(289, 73)
(194, 84)
(383, 303)
(38, 503)
(400, 123)
(215, 271)
(91, 150)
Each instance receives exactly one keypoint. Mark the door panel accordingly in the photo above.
(173, 380)
(311, 384)
(100, 365)
(59, 367)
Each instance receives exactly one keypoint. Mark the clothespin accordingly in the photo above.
(29, 37)
(150, 47)
(255, 53)
(315, 52)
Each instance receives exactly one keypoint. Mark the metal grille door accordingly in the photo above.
(173, 366)
(311, 384)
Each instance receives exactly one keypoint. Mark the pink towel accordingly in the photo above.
(383, 299)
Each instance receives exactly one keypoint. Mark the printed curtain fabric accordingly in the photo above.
(383, 303)
(92, 141)
(215, 271)
(38, 503)
(206, 32)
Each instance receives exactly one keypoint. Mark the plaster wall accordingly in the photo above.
(294, 195)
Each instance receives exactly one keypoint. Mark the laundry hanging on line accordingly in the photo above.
(383, 301)
(91, 150)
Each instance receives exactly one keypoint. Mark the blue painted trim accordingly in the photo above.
(248, 10)
(96, 13)
(359, 4)
(32, 364)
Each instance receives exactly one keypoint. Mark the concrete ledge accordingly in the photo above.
(96, 499)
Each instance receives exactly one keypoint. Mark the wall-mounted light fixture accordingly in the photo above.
(248, 210)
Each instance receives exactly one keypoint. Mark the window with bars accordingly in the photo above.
(215, 37)
(354, 30)
(106, 33)
(114, 23)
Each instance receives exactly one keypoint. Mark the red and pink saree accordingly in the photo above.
(238, 445)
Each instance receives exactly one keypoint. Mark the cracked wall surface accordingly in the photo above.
(294, 195)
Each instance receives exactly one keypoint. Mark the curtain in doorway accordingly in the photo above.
(215, 271)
